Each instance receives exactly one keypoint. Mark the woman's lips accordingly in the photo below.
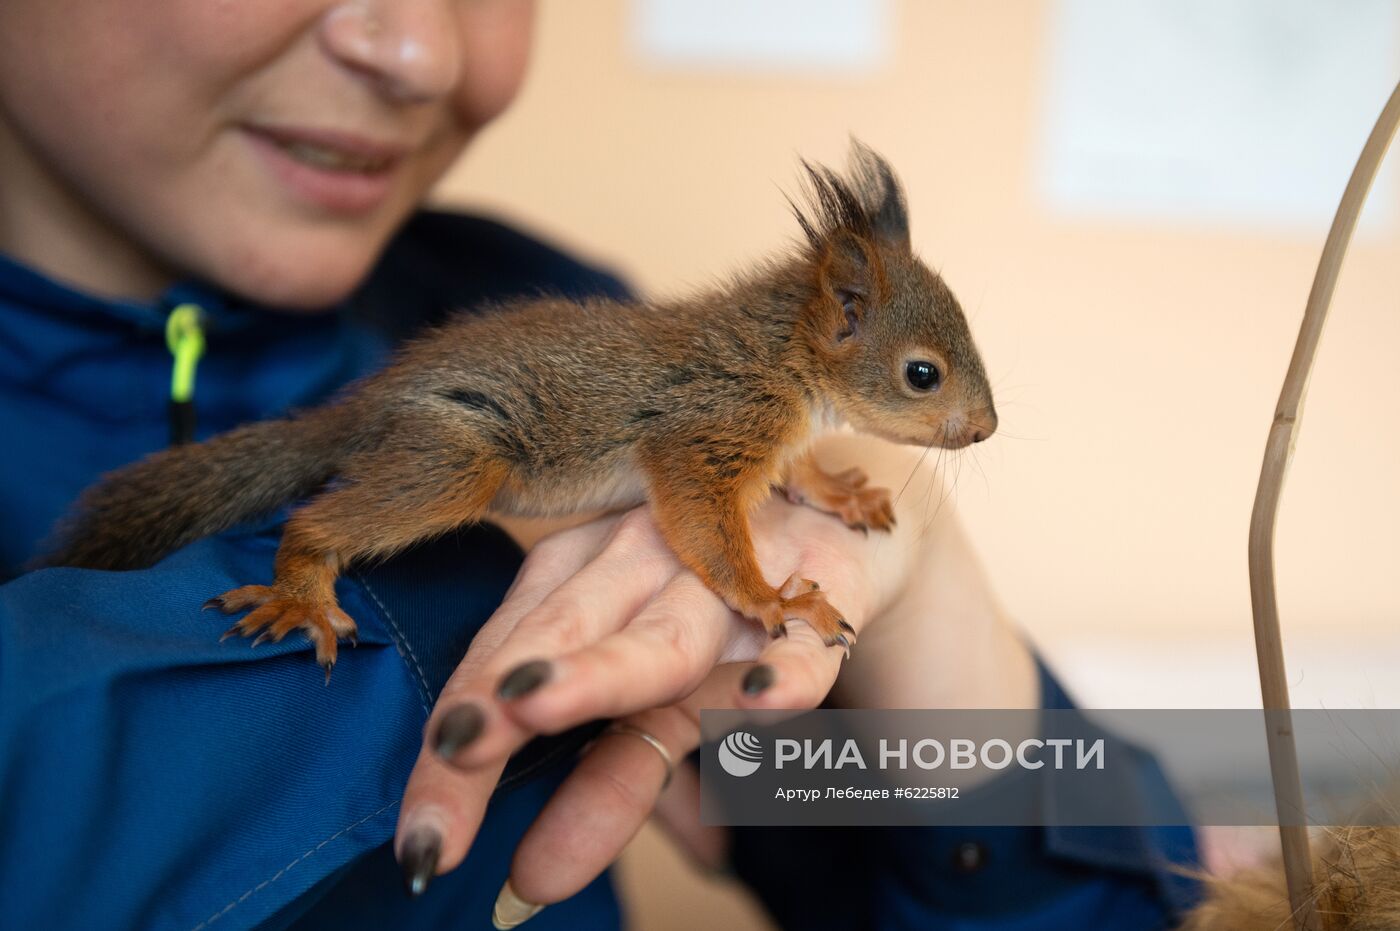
(338, 172)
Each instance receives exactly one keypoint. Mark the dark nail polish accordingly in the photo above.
(459, 727)
(524, 679)
(758, 679)
(418, 860)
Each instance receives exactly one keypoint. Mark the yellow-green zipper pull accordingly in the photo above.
(184, 336)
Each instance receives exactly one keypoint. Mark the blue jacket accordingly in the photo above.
(153, 777)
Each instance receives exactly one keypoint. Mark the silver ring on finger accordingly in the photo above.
(620, 727)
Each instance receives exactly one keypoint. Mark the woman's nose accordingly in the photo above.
(409, 49)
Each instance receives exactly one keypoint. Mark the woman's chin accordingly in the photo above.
(301, 281)
(299, 296)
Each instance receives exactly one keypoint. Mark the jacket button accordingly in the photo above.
(969, 857)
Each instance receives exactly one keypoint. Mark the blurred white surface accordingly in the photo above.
(817, 36)
(1351, 670)
(1243, 111)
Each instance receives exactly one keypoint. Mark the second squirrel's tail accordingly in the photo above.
(136, 515)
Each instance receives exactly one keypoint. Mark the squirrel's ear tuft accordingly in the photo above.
(868, 205)
(833, 209)
(880, 194)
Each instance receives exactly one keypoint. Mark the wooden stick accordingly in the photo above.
(1283, 755)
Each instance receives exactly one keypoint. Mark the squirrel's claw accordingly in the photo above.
(275, 614)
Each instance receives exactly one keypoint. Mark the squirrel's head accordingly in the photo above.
(889, 343)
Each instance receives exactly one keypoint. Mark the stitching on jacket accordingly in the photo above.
(277, 875)
(402, 645)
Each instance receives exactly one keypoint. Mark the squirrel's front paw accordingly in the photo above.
(803, 600)
(276, 614)
(848, 497)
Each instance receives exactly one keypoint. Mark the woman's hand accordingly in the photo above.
(942, 641)
(602, 621)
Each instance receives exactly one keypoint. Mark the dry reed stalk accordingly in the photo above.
(1283, 757)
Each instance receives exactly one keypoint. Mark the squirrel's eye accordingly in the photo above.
(922, 376)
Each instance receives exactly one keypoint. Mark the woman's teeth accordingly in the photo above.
(333, 159)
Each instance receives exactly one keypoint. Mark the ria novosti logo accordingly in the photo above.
(740, 754)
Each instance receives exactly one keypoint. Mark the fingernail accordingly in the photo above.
(524, 679)
(511, 910)
(758, 679)
(418, 860)
(459, 727)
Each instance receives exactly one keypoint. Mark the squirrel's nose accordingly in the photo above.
(986, 425)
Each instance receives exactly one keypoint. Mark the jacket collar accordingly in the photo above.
(32, 290)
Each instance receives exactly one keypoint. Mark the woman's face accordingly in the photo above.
(270, 146)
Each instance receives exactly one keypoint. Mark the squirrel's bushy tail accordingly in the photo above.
(134, 516)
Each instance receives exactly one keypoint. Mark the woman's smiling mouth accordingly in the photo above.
(335, 171)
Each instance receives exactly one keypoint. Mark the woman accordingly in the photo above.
(208, 216)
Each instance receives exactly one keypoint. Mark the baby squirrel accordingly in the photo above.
(547, 407)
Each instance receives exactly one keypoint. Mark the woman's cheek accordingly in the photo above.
(496, 50)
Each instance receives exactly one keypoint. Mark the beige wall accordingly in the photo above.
(1136, 366)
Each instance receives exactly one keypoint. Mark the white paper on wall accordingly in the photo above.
(812, 36)
(1237, 111)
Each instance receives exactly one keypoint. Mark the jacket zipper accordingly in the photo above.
(184, 337)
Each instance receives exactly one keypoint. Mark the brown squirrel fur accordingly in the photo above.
(548, 407)
(1356, 872)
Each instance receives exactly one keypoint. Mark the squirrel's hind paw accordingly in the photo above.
(848, 496)
(275, 614)
(803, 600)
(867, 509)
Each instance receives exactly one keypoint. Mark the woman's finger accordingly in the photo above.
(550, 564)
(598, 808)
(660, 656)
(795, 671)
(441, 813)
(607, 798)
(442, 805)
(605, 801)
(468, 727)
